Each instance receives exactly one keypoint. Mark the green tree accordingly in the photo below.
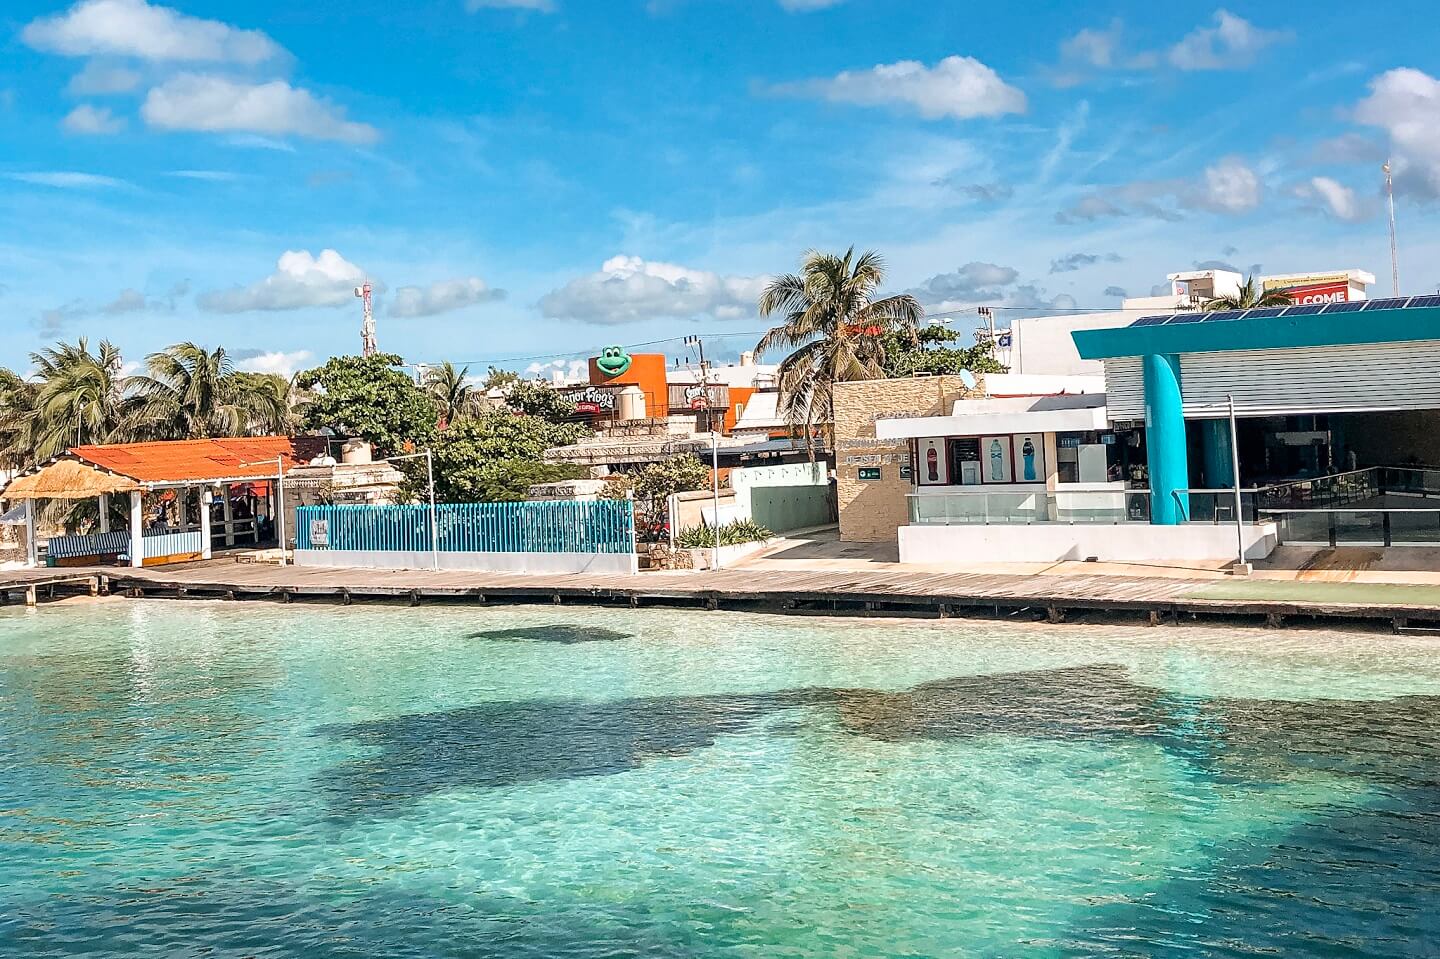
(266, 401)
(492, 455)
(833, 330)
(190, 392)
(366, 396)
(498, 379)
(929, 354)
(509, 481)
(452, 391)
(80, 397)
(1249, 296)
(678, 474)
(17, 406)
(537, 398)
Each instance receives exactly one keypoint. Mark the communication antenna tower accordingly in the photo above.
(367, 328)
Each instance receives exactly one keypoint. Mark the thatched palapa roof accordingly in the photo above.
(68, 479)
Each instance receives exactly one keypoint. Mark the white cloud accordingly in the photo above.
(628, 289)
(299, 281)
(285, 364)
(134, 28)
(99, 81)
(67, 180)
(540, 6)
(209, 176)
(217, 104)
(571, 371)
(1232, 42)
(957, 87)
(1405, 103)
(441, 297)
(129, 301)
(975, 282)
(1092, 50)
(1229, 186)
(92, 121)
(1334, 197)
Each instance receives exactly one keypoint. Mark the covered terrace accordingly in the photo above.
(184, 496)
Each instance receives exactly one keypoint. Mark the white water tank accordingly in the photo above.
(355, 451)
(630, 404)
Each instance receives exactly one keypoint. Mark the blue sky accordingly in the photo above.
(535, 178)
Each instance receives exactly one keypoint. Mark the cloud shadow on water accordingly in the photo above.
(562, 633)
(500, 744)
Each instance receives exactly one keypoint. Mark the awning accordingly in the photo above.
(1044, 414)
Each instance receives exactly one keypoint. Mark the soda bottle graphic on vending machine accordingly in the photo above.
(997, 462)
(932, 465)
(1027, 453)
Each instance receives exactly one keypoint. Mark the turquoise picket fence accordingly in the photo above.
(603, 526)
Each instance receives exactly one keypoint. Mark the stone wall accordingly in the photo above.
(871, 511)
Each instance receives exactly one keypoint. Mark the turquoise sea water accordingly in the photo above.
(244, 780)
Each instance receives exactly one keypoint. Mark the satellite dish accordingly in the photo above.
(968, 379)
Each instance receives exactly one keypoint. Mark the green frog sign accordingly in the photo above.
(613, 361)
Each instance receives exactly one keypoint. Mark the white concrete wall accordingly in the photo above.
(624, 563)
(1054, 542)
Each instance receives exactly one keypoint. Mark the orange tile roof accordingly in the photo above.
(178, 461)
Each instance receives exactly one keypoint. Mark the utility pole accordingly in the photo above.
(1394, 253)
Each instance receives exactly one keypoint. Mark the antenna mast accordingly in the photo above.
(1394, 253)
(367, 328)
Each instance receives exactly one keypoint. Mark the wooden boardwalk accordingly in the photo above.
(31, 583)
(893, 590)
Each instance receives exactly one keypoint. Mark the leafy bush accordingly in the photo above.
(731, 534)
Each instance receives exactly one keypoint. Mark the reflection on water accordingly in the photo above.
(232, 780)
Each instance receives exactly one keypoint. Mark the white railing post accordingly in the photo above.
(137, 528)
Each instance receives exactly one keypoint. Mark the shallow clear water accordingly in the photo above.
(236, 780)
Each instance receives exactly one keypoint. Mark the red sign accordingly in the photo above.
(1319, 293)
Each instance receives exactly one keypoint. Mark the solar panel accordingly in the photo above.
(1179, 318)
(1418, 301)
(1347, 307)
(1151, 320)
(1264, 312)
(1389, 303)
(1220, 316)
(1305, 309)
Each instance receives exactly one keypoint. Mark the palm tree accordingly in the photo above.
(188, 393)
(452, 391)
(265, 401)
(80, 397)
(1248, 297)
(833, 331)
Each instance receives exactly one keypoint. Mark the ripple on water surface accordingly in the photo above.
(242, 780)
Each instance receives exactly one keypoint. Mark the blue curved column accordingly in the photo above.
(1165, 440)
(1218, 468)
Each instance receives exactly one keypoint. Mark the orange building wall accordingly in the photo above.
(647, 371)
(739, 397)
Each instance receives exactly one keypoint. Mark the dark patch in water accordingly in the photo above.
(505, 743)
(565, 635)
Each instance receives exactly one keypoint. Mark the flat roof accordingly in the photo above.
(1351, 323)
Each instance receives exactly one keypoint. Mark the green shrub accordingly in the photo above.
(731, 534)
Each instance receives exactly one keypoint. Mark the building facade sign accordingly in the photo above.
(594, 400)
(1317, 293)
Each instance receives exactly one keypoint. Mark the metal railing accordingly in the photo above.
(1357, 527)
(561, 526)
(1029, 507)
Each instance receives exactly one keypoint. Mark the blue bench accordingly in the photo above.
(113, 543)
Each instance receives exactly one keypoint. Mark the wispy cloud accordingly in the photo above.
(68, 180)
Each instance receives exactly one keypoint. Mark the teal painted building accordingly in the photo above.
(1318, 387)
